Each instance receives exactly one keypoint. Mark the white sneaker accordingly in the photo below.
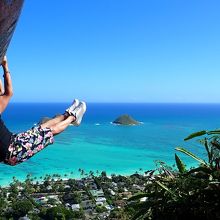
(78, 112)
(73, 106)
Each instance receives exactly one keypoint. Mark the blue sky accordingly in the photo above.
(117, 51)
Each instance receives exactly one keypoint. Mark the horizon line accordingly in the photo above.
(89, 102)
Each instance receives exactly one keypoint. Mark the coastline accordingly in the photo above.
(116, 149)
(64, 176)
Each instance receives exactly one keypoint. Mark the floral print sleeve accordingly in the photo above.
(25, 145)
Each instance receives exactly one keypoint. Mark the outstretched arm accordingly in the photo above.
(8, 89)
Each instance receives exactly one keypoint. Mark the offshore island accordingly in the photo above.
(125, 120)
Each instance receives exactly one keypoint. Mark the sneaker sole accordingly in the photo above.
(79, 119)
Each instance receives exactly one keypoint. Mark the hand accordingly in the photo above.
(5, 64)
(4, 61)
(1, 88)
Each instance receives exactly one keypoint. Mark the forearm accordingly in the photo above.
(5, 98)
(7, 83)
(8, 89)
(7, 78)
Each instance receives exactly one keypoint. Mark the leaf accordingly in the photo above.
(215, 144)
(137, 205)
(141, 213)
(213, 132)
(203, 169)
(207, 149)
(164, 187)
(168, 172)
(180, 165)
(211, 156)
(191, 155)
(138, 196)
(196, 134)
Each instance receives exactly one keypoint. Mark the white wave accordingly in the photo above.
(115, 124)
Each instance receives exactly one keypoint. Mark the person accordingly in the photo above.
(17, 148)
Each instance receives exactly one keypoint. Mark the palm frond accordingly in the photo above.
(191, 155)
(138, 196)
(164, 187)
(180, 165)
(196, 134)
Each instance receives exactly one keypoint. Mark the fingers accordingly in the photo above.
(1, 88)
(5, 63)
(5, 59)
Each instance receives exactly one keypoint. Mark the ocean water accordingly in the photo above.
(98, 145)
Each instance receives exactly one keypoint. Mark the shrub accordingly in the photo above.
(193, 194)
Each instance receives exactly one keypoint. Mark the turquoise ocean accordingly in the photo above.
(98, 145)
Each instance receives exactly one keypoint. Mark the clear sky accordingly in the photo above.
(117, 51)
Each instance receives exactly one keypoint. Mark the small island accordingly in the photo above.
(125, 120)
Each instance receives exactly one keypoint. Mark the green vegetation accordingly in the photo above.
(20, 208)
(182, 194)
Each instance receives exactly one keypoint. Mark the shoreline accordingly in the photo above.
(76, 174)
(66, 176)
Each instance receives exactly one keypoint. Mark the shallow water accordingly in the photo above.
(99, 145)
